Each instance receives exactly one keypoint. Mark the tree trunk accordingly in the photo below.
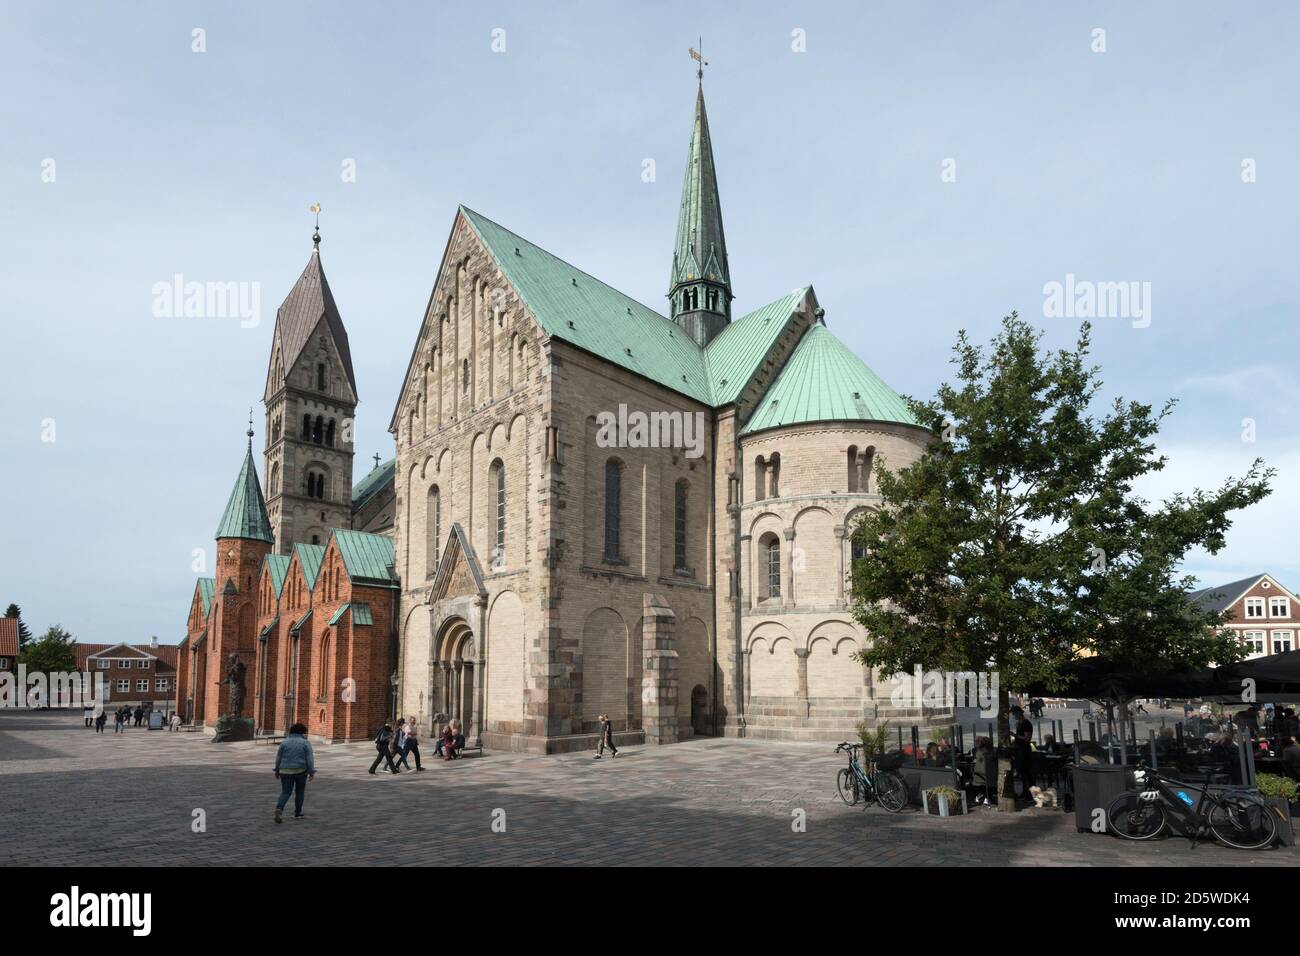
(1006, 794)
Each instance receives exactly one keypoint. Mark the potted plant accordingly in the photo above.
(944, 801)
(1279, 793)
(873, 740)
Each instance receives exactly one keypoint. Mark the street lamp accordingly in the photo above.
(393, 681)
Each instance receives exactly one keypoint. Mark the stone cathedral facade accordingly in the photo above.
(553, 569)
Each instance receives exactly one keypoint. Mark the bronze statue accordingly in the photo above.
(235, 669)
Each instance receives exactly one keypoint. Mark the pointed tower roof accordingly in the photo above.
(245, 514)
(701, 249)
(308, 302)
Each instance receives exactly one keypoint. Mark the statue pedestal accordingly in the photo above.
(230, 729)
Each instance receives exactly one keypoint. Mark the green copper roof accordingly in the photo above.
(206, 588)
(583, 311)
(301, 621)
(278, 565)
(360, 613)
(825, 382)
(310, 557)
(245, 515)
(366, 557)
(701, 248)
(379, 476)
(269, 627)
(740, 348)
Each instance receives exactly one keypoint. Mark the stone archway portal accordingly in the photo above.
(454, 691)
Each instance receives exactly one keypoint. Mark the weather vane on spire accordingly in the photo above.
(697, 56)
(250, 424)
(315, 207)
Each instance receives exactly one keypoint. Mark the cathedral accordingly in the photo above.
(526, 569)
(550, 576)
(305, 591)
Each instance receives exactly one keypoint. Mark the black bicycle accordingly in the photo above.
(885, 786)
(1236, 818)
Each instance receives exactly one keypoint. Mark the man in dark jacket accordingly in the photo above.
(1022, 736)
(382, 740)
(606, 737)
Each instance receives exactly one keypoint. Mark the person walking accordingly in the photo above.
(606, 737)
(382, 740)
(100, 721)
(411, 744)
(88, 715)
(118, 720)
(175, 724)
(295, 764)
(398, 749)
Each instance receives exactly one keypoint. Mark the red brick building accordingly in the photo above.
(1263, 614)
(9, 644)
(314, 628)
(133, 673)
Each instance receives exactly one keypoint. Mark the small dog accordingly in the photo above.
(1043, 798)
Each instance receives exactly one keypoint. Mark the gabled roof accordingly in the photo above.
(307, 303)
(1223, 596)
(8, 637)
(278, 565)
(701, 248)
(740, 348)
(367, 558)
(310, 557)
(371, 484)
(245, 514)
(577, 308)
(165, 654)
(206, 587)
(825, 382)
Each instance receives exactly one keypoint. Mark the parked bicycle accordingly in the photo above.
(883, 784)
(1236, 818)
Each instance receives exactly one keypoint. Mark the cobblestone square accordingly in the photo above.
(703, 802)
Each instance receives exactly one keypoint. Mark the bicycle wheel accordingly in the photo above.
(1244, 826)
(1133, 818)
(891, 790)
(846, 782)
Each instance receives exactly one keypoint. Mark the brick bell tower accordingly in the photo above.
(244, 539)
(311, 404)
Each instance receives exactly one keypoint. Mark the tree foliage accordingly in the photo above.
(54, 652)
(1018, 544)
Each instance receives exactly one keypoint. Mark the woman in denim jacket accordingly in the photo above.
(295, 764)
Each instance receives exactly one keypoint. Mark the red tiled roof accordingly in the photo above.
(167, 653)
(8, 637)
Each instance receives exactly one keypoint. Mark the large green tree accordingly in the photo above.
(54, 652)
(24, 633)
(1018, 544)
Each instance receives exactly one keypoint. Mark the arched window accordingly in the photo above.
(613, 508)
(770, 550)
(679, 526)
(275, 429)
(323, 679)
(499, 485)
(854, 469)
(760, 478)
(464, 376)
(329, 433)
(868, 464)
(857, 548)
(320, 486)
(306, 428)
(774, 476)
(711, 299)
(310, 481)
(433, 525)
(274, 484)
(320, 377)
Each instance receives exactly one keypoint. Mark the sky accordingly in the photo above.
(927, 167)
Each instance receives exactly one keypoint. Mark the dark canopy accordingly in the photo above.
(1275, 674)
(1095, 678)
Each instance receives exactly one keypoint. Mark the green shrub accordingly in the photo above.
(1272, 785)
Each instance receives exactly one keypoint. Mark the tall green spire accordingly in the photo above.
(699, 290)
(245, 514)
